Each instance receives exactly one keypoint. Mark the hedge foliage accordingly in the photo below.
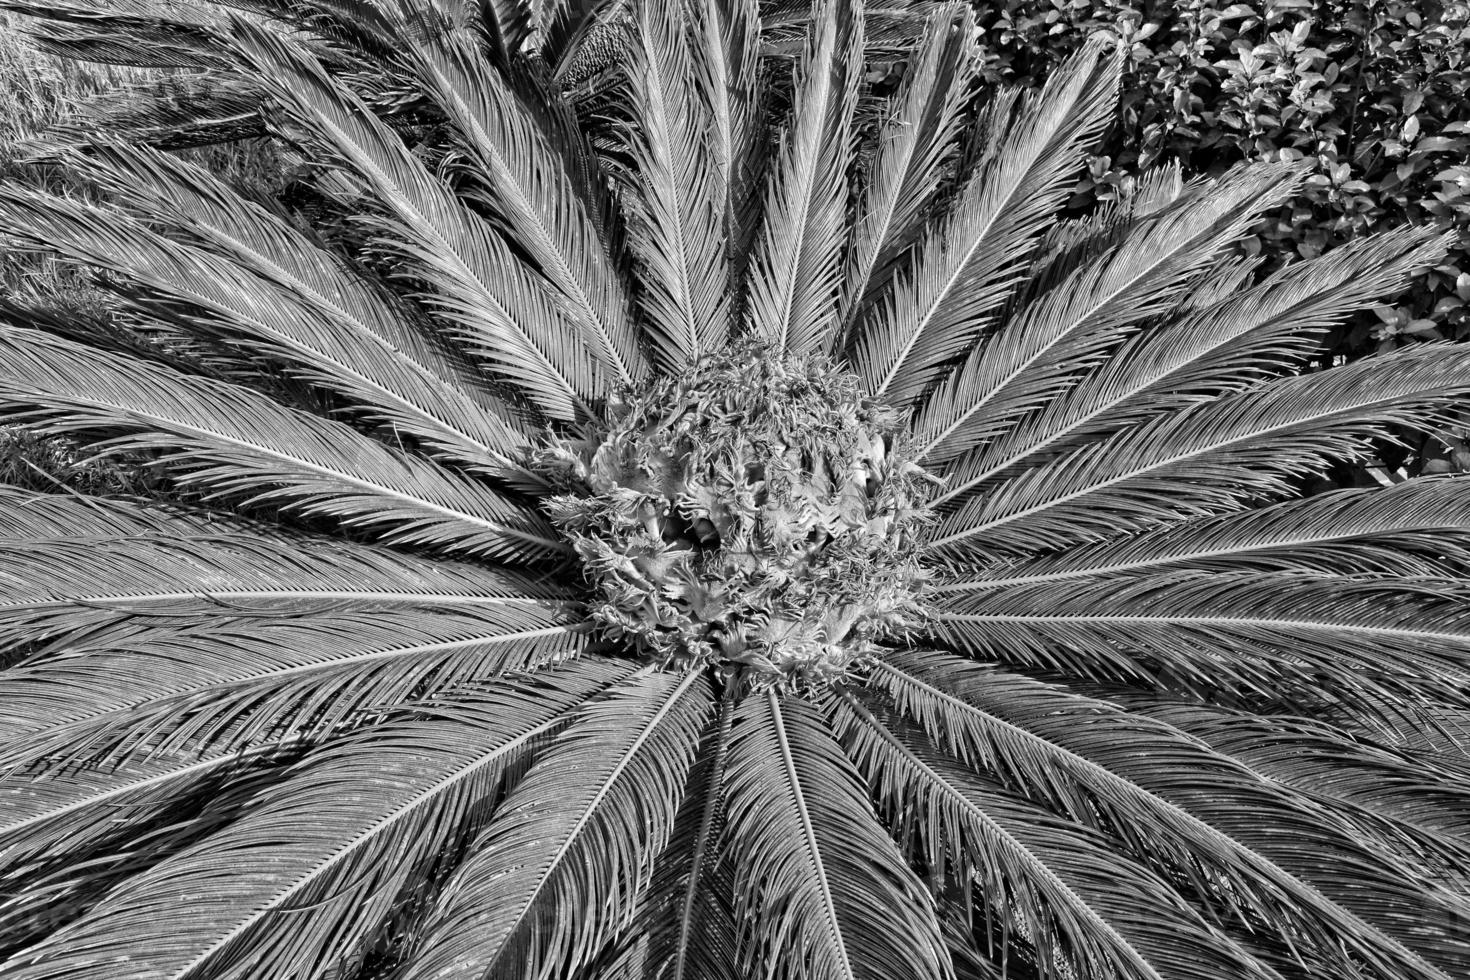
(1375, 93)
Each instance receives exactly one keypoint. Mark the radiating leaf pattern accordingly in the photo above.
(1002, 645)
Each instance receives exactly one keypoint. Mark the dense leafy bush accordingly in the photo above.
(1373, 90)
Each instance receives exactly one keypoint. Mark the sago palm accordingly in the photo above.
(722, 524)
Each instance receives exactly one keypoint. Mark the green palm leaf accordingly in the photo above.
(273, 293)
(1142, 781)
(687, 925)
(797, 265)
(394, 793)
(533, 198)
(919, 133)
(496, 306)
(1294, 636)
(1070, 326)
(725, 37)
(582, 829)
(1211, 454)
(232, 681)
(968, 263)
(822, 891)
(238, 440)
(1074, 897)
(677, 233)
(1414, 529)
(1228, 344)
(1411, 804)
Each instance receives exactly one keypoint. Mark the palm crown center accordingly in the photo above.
(758, 513)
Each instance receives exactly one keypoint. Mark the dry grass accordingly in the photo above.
(37, 90)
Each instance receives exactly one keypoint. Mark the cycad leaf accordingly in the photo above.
(235, 680)
(1209, 456)
(76, 581)
(193, 205)
(503, 313)
(1088, 910)
(960, 275)
(134, 33)
(535, 200)
(69, 812)
(1176, 802)
(1226, 344)
(920, 130)
(235, 440)
(26, 515)
(1027, 360)
(1264, 634)
(1418, 528)
(687, 923)
(677, 229)
(728, 63)
(271, 292)
(796, 270)
(1419, 809)
(822, 890)
(556, 873)
(329, 849)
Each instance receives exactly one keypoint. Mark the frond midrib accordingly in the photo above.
(808, 830)
(570, 838)
(153, 703)
(552, 544)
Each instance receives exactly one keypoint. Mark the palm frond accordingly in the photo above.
(580, 831)
(484, 295)
(919, 132)
(507, 25)
(893, 25)
(821, 889)
(796, 270)
(677, 229)
(27, 515)
(56, 587)
(141, 34)
(1262, 634)
(536, 202)
(235, 440)
(1087, 910)
(1260, 850)
(231, 681)
(686, 927)
(1228, 343)
(729, 65)
(75, 813)
(971, 961)
(1026, 361)
(1419, 528)
(1419, 809)
(970, 259)
(270, 291)
(1210, 456)
(330, 847)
